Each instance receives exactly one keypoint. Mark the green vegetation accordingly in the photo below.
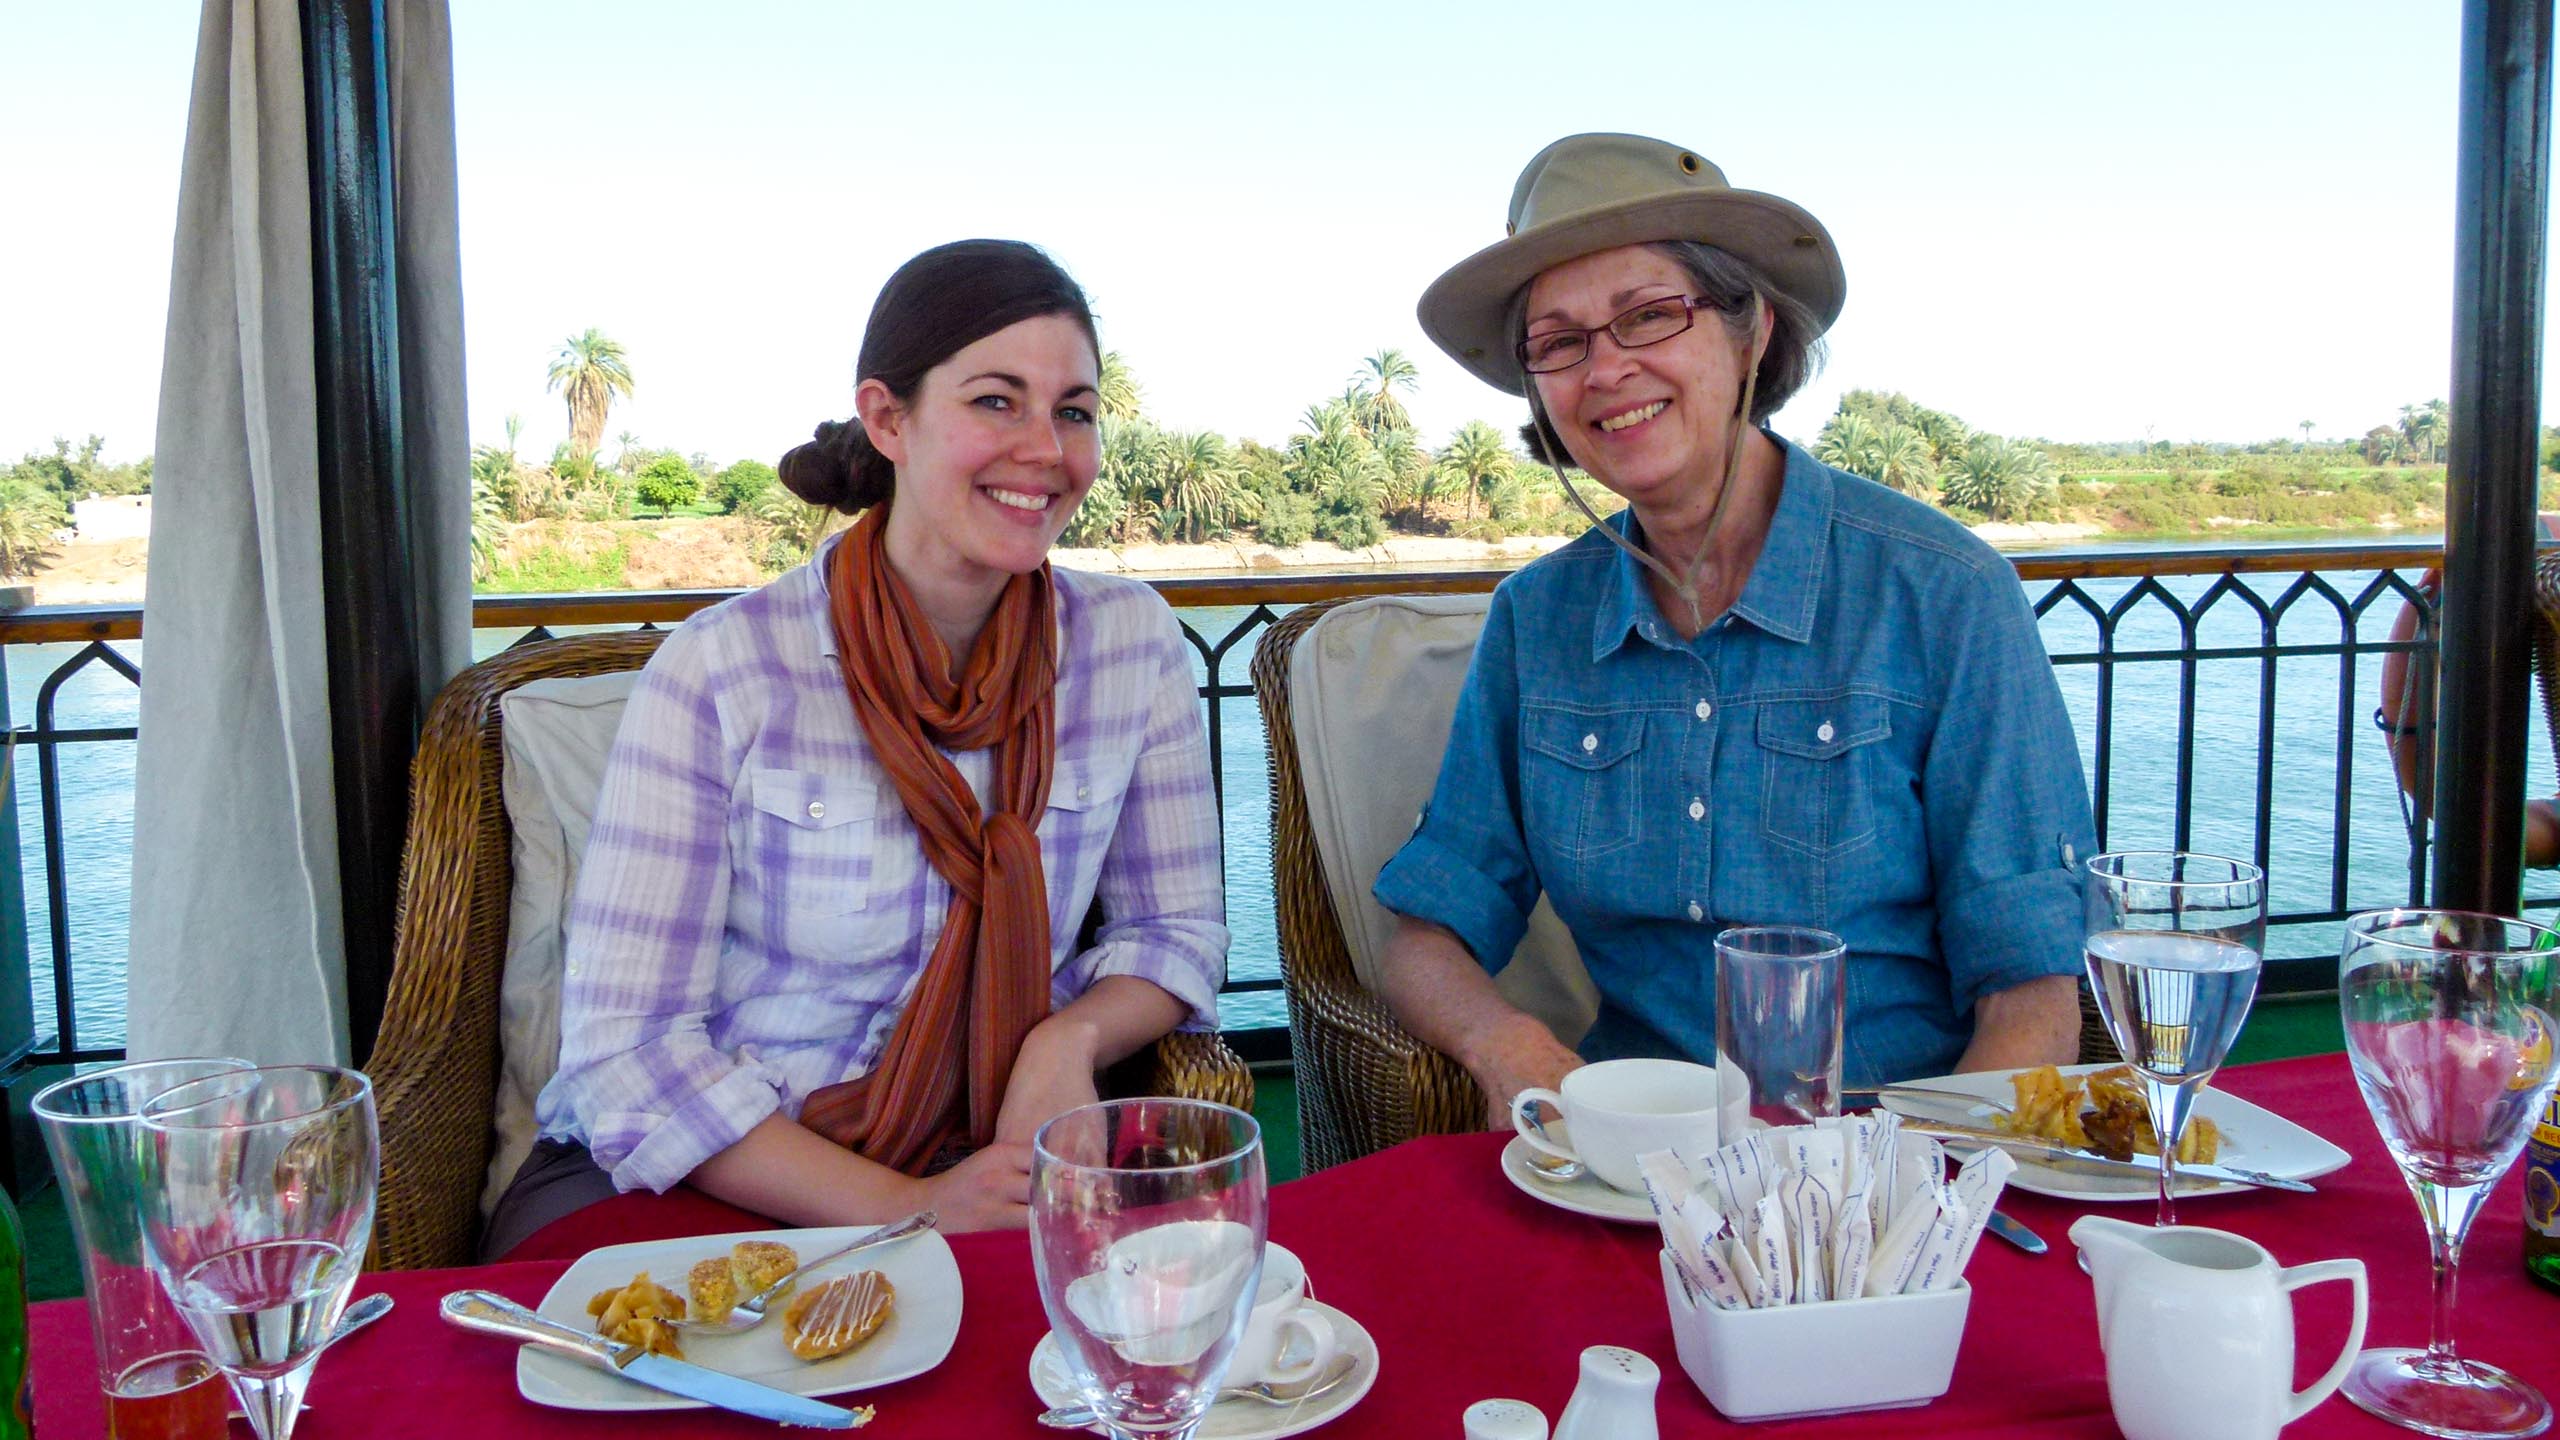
(667, 482)
(551, 569)
(589, 371)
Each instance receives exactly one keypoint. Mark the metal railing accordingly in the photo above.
(2111, 593)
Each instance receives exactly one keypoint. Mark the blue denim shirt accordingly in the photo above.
(1870, 741)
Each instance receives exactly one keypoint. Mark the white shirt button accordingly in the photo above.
(1695, 913)
(1084, 792)
(1823, 734)
(1590, 743)
(1697, 808)
(817, 809)
(1705, 709)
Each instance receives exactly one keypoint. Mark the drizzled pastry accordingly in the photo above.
(838, 1315)
(720, 1283)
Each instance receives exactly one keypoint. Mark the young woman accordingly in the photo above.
(821, 958)
(1766, 693)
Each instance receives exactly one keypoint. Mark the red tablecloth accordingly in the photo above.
(1473, 1290)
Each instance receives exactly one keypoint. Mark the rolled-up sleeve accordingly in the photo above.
(2007, 808)
(645, 1086)
(1467, 866)
(1162, 884)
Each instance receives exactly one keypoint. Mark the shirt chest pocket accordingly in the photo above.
(1817, 781)
(1580, 783)
(811, 839)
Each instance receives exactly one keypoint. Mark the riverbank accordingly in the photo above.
(723, 552)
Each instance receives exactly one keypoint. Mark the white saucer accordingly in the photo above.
(1583, 1195)
(1243, 1419)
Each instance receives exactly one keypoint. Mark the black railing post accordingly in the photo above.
(374, 705)
(2500, 211)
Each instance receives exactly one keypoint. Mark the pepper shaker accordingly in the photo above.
(1614, 1401)
(1505, 1420)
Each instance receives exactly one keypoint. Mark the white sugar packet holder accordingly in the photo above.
(1840, 1209)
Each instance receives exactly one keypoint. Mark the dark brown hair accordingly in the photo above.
(1795, 341)
(938, 304)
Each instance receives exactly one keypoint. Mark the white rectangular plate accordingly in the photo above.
(919, 1332)
(2253, 1138)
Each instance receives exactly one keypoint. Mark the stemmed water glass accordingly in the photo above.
(2449, 1020)
(2175, 943)
(257, 1206)
(1147, 1222)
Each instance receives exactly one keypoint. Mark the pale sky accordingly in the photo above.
(2084, 221)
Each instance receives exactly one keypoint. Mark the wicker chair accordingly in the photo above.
(435, 1062)
(1364, 1082)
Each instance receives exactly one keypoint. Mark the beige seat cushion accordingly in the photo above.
(558, 733)
(1372, 685)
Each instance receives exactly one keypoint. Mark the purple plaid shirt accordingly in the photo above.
(755, 906)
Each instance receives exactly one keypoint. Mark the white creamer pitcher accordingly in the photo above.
(2197, 1326)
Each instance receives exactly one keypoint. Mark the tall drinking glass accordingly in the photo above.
(2175, 941)
(1147, 1221)
(257, 1205)
(159, 1383)
(2449, 1020)
(1781, 1004)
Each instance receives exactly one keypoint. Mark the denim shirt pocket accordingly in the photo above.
(811, 839)
(1579, 787)
(1816, 790)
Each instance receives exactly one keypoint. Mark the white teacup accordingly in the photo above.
(1619, 1109)
(1287, 1340)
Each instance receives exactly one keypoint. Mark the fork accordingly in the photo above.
(747, 1314)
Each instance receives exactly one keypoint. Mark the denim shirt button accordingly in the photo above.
(1824, 734)
(1696, 913)
(1590, 743)
(1697, 808)
(1705, 709)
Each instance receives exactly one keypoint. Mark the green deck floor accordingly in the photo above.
(2277, 1029)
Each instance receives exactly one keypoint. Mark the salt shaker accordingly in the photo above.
(1614, 1401)
(1505, 1420)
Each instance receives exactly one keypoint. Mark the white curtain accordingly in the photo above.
(237, 946)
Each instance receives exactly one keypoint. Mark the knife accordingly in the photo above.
(496, 1315)
(2065, 1157)
(2007, 1228)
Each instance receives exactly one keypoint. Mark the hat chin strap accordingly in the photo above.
(1683, 583)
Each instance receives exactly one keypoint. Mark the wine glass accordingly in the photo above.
(257, 1205)
(2449, 1020)
(1147, 1222)
(2175, 941)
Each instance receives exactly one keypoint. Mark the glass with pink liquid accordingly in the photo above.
(2449, 1023)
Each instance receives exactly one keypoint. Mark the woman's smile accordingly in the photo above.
(1631, 417)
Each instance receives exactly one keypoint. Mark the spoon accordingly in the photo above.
(357, 1316)
(747, 1314)
(1294, 1392)
(1548, 1167)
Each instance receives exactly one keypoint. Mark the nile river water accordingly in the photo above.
(97, 782)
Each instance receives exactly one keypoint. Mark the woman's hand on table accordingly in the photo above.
(991, 1190)
(1052, 1074)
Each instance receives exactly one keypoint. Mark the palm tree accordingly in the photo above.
(1133, 463)
(2306, 433)
(2432, 428)
(1373, 391)
(1474, 456)
(1904, 460)
(1849, 443)
(589, 371)
(1202, 486)
(1408, 472)
(1121, 395)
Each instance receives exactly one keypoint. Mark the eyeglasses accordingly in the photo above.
(1650, 323)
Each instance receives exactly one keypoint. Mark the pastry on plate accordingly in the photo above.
(638, 1314)
(722, 1281)
(838, 1316)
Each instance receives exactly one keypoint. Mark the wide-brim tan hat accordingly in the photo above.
(1589, 193)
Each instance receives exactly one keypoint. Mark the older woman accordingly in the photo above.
(1766, 692)
(822, 959)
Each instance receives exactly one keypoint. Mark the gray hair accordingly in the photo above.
(1795, 341)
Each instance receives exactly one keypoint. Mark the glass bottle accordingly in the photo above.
(2542, 1199)
(17, 1399)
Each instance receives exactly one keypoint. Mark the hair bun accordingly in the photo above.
(839, 468)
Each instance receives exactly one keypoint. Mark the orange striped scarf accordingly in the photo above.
(941, 1079)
